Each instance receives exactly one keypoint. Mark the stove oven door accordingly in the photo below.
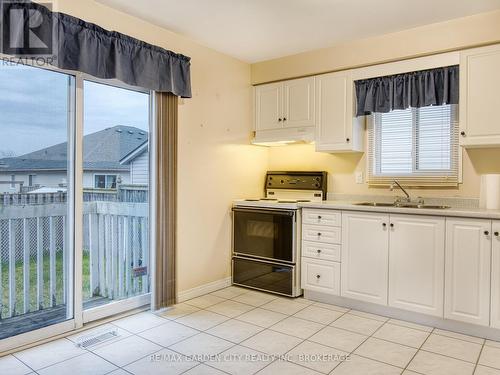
(264, 234)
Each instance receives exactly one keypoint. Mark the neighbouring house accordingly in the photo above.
(114, 155)
(138, 160)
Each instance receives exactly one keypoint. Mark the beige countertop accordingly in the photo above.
(452, 212)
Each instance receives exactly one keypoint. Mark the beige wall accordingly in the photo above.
(216, 162)
(341, 168)
(445, 36)
(431, 39)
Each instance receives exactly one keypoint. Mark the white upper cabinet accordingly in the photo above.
(365, 252)
(479, 97)
(467, 285)
(269, 107)
(298, 102)
(284, 111)
(416, 263)
(495, 276)
(337, 130)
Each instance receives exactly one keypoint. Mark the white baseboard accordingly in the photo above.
(203, 289)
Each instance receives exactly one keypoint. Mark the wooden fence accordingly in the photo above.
(34, 254)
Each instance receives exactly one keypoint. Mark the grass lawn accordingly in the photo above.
(135, 283)
(4, 298)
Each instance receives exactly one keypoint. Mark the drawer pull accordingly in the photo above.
(318, 276)
(319, 234)
(319, 251)
(319, 217)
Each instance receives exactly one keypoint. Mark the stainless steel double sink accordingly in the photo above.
(403, 205)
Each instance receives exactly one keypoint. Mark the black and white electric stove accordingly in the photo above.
(266, 232)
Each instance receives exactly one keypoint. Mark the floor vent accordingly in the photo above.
(98, 338)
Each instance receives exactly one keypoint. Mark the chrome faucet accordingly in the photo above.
(407, 199)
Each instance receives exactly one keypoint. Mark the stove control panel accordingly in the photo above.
(297, 180)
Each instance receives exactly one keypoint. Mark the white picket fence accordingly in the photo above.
(116, 239)
(34, 254)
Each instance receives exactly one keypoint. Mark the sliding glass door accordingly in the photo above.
(74, 201)
(116, 169)
(36, 190)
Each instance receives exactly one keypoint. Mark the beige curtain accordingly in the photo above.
(166, 197)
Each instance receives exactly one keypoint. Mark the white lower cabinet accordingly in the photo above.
(468, 264)
(365, 252)
(495, 276)
(321, 276)
(444, 267)
(416, 263)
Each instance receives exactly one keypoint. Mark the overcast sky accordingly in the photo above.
(34, 108)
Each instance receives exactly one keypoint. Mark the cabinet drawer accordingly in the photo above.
(322, 217)
(317, 250)
(321, 276)
(320, 233)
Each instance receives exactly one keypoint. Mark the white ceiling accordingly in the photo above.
(256, 30)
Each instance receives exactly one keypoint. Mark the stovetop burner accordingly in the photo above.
(293, 200)
(262, 199)
(277, 200)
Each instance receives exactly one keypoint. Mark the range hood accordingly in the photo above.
(282, 137)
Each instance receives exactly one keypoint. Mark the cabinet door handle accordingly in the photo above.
(284, 118)
(318, 276)
(496, 234)
(392, 225)
(279, 119)
(319, 251)
(319, 234)
(384, 225)
(486, 233)
(319, 217)
(462, 133)
(347, 140)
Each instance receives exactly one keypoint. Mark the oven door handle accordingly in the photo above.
(258, 210)
(241, 256)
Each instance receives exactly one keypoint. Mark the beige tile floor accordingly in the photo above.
(238, 331)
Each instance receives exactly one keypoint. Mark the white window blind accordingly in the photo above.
(417, 146)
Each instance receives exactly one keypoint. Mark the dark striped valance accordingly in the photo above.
(415, 89)
(32, 29)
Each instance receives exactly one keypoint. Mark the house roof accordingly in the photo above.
(102, 150)
(135, 153)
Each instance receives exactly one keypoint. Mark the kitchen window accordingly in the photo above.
(417, 146)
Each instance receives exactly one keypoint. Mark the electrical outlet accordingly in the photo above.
(359, 177)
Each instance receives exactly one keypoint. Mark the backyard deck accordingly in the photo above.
(34, 259)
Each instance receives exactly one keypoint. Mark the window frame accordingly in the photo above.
(418, 179)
